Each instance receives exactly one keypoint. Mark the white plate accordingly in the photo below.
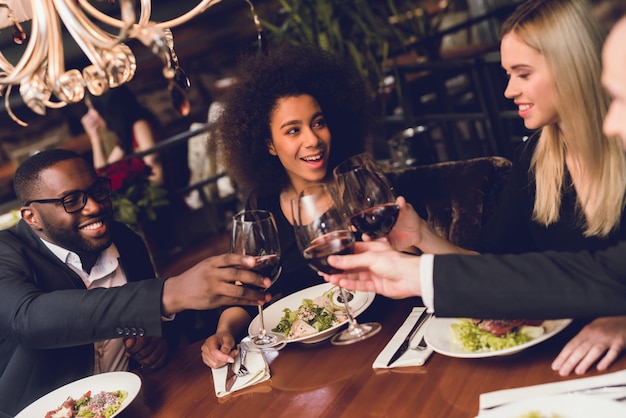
(274, 312)
(108, 382)
(565, 406)
(438, 336)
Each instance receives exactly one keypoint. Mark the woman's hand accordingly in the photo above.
(602, 339)
(406, 231)
(219, 349)
(93, 123)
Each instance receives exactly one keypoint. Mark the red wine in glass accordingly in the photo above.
(366, 195)
(376, 221)
(255, 234)
(268, 266)
(336, 242)
(321, 230)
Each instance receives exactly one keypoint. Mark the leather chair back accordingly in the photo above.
(456, 197)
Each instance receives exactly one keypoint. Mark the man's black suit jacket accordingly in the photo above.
(544, 285)
(49, 320)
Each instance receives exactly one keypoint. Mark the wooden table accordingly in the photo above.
(323, 380)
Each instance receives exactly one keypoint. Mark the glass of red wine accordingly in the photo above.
(255, 234)
(366, 195)
(321, 230)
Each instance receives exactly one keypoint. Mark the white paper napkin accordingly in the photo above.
(601, 382)
(256, 365)
(411, 357)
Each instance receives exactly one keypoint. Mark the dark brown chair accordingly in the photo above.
(456, 197)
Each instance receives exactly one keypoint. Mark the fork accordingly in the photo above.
(421, 346)
(243, 370)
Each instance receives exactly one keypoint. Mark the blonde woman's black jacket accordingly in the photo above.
(49, 320)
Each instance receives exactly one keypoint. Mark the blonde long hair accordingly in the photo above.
(566, 33)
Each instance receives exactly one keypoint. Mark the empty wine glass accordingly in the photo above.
(321, 230)
(366, 195)
(255, 234)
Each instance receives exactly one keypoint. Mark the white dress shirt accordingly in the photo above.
(427, 263)
(109, 355)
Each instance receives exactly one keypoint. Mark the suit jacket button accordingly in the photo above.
(133, 331)
(119, 331)
(141, 332)
(126, 331)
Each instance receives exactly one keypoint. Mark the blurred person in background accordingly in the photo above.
(134, 127)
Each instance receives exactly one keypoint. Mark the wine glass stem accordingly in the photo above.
(262, 331)
(351, 321)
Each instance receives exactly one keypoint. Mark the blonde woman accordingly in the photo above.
(566, 191)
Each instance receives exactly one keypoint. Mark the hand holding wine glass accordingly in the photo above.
(367, 196)
(321, 231)
(255, 234)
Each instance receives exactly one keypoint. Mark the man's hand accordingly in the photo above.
(149, 352)
(376, 267)
(214, 282)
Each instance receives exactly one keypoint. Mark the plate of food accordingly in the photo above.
(111, 392)
(468, 338)
(312, 314)
(562, 406)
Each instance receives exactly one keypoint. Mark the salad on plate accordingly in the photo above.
(312, 316)
(100, 405)
(493, 335)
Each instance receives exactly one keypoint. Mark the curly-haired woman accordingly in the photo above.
(291, 117)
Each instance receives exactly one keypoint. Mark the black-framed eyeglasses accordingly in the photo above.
(75, 201)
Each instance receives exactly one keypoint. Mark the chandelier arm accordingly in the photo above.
(200, 7)
(71, 18)
(34, 54)
(111, 21)
(80, 26)
(41, 73)
(7, 106)
(5, 66)
(145, 14)
(56, 66)
(54, 105)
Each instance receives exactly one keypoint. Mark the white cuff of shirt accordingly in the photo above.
(427, 263)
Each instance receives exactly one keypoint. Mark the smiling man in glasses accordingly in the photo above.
(74, 299)
(90, 237)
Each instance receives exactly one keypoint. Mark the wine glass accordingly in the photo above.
(367, 195)
(255, 234)
(321, 231)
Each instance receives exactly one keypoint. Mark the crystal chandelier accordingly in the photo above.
(40, 73)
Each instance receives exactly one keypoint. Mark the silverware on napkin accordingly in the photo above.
(405, 344)
(231, 376)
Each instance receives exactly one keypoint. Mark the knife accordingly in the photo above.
(405, 344)
(231, 376)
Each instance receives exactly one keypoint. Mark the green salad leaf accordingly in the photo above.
(317, 313)
(472, 338)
